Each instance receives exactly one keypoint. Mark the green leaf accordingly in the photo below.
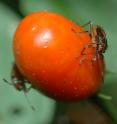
(10, 99)
(27, 6)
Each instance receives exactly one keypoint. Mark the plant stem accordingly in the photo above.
(107, 106)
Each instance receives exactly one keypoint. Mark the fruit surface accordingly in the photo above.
(47, 49)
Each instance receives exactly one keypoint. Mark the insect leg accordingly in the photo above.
(91, 32)
(28, 89)
(88, 23)
(83, 52)
(31, 106)
(7, 82)
(86, 59)
(88, 46)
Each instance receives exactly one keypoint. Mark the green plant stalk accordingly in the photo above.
(107, 106)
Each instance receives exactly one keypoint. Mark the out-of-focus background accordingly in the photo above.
(14, 108)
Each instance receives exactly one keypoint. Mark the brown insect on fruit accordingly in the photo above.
(19, 82)
(99, 40)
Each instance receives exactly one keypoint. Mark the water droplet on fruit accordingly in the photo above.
(75, 88)
(45, 47)
(63, 91)
(43, 71)
(33, 28)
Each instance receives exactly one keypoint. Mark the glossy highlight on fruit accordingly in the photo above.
(47, 49)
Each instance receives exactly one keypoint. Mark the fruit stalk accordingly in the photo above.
(107, 106)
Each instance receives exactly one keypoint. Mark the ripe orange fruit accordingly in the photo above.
(47, 49)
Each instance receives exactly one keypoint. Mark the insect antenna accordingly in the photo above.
(79, 32)
(25, 94)
(7, 82)
(31, 106)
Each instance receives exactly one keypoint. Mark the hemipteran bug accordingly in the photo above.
(19, 82)
(99, 40)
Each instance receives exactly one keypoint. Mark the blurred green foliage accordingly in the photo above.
(101, 12)
(10, 99)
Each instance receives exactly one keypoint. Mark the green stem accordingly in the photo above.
(103, 96)
(107, 106)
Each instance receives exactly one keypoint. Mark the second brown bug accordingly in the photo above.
(19, 82)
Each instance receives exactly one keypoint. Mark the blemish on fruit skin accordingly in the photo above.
(18, 52)
(33, 28)
(75, 88)
(43, 71)
(18, 49)
(74, 31)
(63, 91)
(55, 95)
(45, 47)
(33, 74)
